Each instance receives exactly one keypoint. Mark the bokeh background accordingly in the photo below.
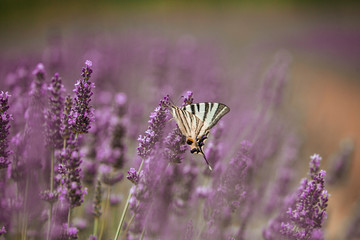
(322, 38)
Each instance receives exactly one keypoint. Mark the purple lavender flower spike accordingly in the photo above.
(175, 146)
(306, 209)
(4, 130)
(38, 87)
(82, 113)
(72, 232)
(92, 237)
(188, 99)
(112, 179)
(54, 114)
(314, 165)
(70, 188)
(2, 230)
(133, 176)
(154, 132)
(97, 200)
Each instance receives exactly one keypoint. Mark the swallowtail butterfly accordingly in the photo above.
(195, 122)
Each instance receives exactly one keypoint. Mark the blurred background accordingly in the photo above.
(322, 38)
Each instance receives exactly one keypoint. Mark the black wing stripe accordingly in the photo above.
(220, 107)
(192, 108)
(181, 117)
(199, 127)
(187, 120)
(220, 114)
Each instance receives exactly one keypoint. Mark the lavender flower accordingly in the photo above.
(2, 230)
(307, 208)
(82, 113)
(4, 130)
(70, 188)
(55, 112)
(175, 146)
(112, 178)
(97, 200)
(188, 99)
(70, 232)
(154, 132)
(49, 196)
(133, 176)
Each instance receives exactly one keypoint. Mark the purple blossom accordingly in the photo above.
(72, 232)
(154, 132)
(55, 112)
(112, 178)
(97, 200)
(133, 176)
(188, 99)
(70, 188)
(314, 165)
(48, 196)
(2, 230)
(82, 114)
(4, 130)
(306, 211)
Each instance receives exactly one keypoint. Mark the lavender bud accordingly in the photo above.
(82, 113)
(4, 129)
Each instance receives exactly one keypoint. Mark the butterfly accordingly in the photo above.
(196, 120)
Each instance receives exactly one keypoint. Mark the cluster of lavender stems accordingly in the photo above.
(130, 175)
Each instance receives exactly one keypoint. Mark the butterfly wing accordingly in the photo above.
(208, 113)
(187, 122)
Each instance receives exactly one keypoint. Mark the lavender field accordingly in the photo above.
(89, 148)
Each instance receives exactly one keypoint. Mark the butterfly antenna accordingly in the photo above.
(171, 102)
(207, 162)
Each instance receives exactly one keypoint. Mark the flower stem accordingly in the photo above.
(25, 222)
(128, 226)
(69, 220)
(126, 207)
(142, 234)
(105, 212)
(122, 217)
(96, 224)
(51, 190)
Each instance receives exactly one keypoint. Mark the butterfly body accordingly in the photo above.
(195, 122)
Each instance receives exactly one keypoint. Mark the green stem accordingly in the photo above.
(51, 190)
(126, 208)
(69, 219)
(122, 217)
(24, 230)
(49, 221)
(96, 224)
(142, 234)
(105, 212)
(128, 226)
